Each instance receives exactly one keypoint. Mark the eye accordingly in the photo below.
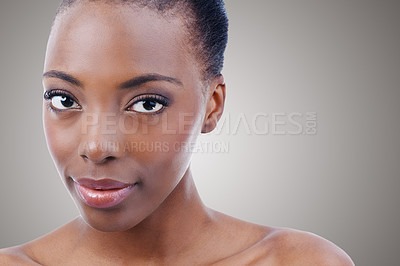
(149, 104)
(59, 100)
(63, 102)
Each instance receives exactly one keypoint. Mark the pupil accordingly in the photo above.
(67, 102)
(149, 105)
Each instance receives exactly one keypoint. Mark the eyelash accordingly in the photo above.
(48, 95)
(150, 97)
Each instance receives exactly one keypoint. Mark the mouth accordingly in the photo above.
(104, 193)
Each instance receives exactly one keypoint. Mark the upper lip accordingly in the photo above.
(102, 184)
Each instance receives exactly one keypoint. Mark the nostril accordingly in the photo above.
(109, 158)
(104, 160)
(98, 160)
(99, 153)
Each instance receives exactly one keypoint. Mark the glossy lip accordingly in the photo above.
(103, 193)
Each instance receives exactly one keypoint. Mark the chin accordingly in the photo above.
(108, 220)
(112, 224)
(107, 227)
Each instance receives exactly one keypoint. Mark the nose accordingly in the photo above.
(100, 152)
(99, 145)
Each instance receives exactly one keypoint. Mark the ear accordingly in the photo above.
(215, 104)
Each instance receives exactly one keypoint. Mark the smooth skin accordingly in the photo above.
(92, 53)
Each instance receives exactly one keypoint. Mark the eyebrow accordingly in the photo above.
(134, 82)
(139, 80)
(63, 76)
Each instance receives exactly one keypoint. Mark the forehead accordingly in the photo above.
(114, 39)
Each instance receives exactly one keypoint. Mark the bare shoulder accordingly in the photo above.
(293, 247)
(41, 251)
(278, 246)
(15, 256)
(282, 246)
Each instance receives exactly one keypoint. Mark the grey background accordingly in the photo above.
(339, 58)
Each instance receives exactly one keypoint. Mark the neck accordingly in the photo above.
(167, 232)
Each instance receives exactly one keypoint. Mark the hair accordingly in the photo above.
(206, 22)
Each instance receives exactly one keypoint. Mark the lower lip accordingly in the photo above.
(102, 198)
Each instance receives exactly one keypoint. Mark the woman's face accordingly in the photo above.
(123, 101)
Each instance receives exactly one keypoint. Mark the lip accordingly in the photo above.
(103, 193)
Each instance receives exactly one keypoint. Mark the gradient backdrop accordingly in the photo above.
(339, 59)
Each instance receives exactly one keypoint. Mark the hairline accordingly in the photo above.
(172, 12)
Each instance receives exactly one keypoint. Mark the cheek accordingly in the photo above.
(163, 142)
(162, 146)
(62, 139)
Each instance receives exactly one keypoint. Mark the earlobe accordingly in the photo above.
(215, 104)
